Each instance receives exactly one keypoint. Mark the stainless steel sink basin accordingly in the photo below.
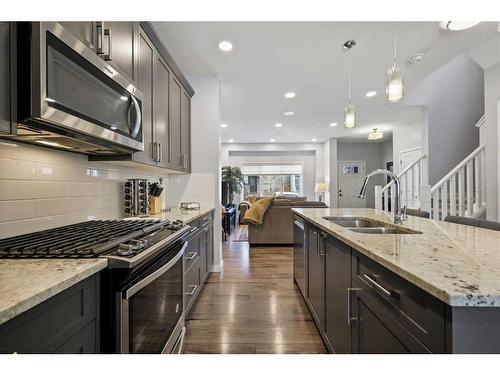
(384, 230)
(369, 226)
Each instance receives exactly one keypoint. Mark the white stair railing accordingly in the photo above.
(462, 191)
(411, 180)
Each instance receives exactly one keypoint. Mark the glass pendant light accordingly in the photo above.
(395, 77)
(350, 109)
(375, 134)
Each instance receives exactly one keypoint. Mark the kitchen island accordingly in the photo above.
(431, 287)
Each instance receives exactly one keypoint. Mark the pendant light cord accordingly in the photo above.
(395, 46)
(349, 80)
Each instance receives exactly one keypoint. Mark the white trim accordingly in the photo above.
(216, 267)
(401, 152)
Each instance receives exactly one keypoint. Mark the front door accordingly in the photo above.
(351, 175)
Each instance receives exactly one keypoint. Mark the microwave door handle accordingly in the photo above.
(138, 118)
(152, 277)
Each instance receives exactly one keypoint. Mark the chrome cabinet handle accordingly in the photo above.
(191, 256)
(108, 57)
(154, 150)
(98, 43)
(192, 291)
(138, 117)
(379, 287)
(159, 152)
(348, 294)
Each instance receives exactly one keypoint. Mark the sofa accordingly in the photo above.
(245, 204)
(277, 226)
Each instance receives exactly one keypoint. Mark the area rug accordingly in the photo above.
(241, 234)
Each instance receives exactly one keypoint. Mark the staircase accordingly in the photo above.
(461, 192)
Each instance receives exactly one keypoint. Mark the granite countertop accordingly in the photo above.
(458, 264)
(24, 283)
(185, 215)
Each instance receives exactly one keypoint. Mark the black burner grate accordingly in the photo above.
(82, 240)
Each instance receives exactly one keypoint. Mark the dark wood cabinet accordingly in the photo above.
(7, 77)
(176, 123)
(376, 331)
(65, 323)
(337, 282)
(185, 131)
(162, 111)
(316, 276)
(85, 31)
(121, 44)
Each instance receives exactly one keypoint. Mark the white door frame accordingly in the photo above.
(401, 152)
(338, 175)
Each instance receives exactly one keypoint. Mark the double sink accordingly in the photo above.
(369, 226)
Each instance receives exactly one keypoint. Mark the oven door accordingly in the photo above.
(76, 90)
(150, 311)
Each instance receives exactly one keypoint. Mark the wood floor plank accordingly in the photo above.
(253, 306)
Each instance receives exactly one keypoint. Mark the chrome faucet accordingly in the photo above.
(399, 216)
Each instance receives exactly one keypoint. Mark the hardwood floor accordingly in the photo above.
(253, 306)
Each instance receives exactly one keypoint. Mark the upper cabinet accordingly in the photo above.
(6, 77)
(85, 31)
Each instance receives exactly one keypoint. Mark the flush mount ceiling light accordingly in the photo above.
(457, 25)
(278, 125)
(223, 125)
(395, 76)
(225, 46)
(333, 124)
(370, 94)
(289, 113)
(290, 95)
(350, 109)
(375, 134)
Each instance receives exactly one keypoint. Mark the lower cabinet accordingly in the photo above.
(65, 323)
(337, 284)
(376, 331)
(316, 276)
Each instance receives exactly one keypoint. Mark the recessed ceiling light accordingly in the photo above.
(278, 125)
(457, 25)
(223, 125)
(272, 140)
(231, 140)
(332, 124)
(314, 139)
(370, 94)
(113, 127)
(290, 95)
(225, 46)
(124, 98)
(289, 113)
(416, 58)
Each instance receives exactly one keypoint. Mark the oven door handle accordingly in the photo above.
(152, 277)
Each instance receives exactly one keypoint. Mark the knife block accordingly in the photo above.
(154, 205)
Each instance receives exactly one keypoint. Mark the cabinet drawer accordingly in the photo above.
(46, 327)
(84, 342)
(205, 220)
(192, 252)
(419, 312)
(191, 284)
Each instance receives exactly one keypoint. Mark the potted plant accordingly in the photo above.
(234, 179)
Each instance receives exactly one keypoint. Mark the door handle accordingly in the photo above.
(348, 294)
(138, 117)
(154, 150)
(374, 283)
(159, 152)
(98, 42)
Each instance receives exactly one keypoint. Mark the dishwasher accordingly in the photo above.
(299, 255)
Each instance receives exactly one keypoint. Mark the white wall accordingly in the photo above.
(42, 188)
(372, 154)
(386, 153)
(311, 156)
(203, 184)
(454, 97)
(406, 134)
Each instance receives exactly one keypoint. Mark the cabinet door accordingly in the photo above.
(337, 280)
(186, 131)
(124, 47)
(203, 253)
(210, 247)
(316, 277)
(145, 80)
(5, 78)
(85, 31)
(162, 110)
(175, 122)
(375, 331)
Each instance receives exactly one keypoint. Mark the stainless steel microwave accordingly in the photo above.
(70, 98)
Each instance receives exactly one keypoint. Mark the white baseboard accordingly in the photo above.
(216, 267)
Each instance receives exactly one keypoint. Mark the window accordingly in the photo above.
(269, 180)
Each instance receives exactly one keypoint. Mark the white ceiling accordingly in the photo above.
(271, 58)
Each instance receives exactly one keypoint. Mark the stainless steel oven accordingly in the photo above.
(150, 307)
(72, 99)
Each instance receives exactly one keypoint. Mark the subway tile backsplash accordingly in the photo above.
(42, 188)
